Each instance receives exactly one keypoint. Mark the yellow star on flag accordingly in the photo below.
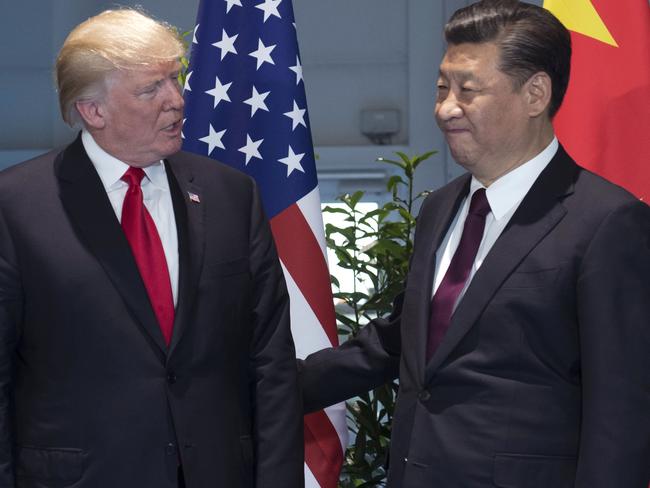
(582, 17)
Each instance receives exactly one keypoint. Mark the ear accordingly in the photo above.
(538, 90)
(92, 113)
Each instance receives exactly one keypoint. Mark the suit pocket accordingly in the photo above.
(531, 279)
(534, 471)
(58, 466)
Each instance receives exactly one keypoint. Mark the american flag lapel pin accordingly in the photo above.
(193, 197)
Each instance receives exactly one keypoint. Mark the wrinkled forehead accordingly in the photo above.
(469, 60)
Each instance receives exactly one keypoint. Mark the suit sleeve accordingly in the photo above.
(10, 310)
(614, 322)
(278, 409)
(368, 360)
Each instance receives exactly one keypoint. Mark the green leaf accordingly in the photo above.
(394, 181)
(405, 159)
(422, 157)
(355, 197)
(335, 281)
(329, 209)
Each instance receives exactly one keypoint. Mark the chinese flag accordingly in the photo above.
(604, 122)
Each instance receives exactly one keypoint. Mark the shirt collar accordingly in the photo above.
(510, 189)
(110, 169)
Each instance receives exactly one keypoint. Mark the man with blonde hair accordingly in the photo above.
(144, 319)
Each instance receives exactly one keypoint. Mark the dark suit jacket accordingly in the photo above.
(90, 395)
(543, 379)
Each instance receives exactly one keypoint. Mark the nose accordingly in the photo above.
(174, 99)
(447, 107)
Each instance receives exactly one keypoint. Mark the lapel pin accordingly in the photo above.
(194, 197)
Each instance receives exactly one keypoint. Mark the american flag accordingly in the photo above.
(246, 107)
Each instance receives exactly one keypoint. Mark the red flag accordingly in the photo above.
(604, 122)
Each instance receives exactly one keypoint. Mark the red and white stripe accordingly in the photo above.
(299, 237)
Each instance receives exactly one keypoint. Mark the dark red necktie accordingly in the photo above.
(145, 243)
(444, 299)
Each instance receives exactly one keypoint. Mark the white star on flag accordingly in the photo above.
(182, 124)
(194, 41)
(219, 92)
(292, 161)
(269, 7)
(213, 139)
(256, 101)
(187, 87)
(297, 69)
(263, 54)
(230, 3)
(297, 116)
(251, 149)
(226, 44)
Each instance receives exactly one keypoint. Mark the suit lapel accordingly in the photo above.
(537, 215)
(433, 223)
(189, 215)
(93, 219)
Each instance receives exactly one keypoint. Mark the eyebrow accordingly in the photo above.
(148, 85)
(159, 80)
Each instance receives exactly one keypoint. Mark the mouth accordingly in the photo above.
(454, 130)
(173, 128)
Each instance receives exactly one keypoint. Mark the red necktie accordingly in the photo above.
(145, 243)
(442, 304)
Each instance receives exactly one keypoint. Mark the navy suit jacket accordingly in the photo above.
(543, 378)
(90, 395)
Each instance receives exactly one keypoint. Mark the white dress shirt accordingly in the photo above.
(504, 196)
(156, 195)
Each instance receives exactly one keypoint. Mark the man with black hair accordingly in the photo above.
(522, 339)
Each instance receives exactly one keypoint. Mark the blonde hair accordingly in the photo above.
(113, 40)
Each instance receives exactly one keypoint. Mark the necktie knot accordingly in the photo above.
(479, 204)
(133, 176)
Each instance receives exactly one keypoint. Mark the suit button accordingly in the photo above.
(424, 396)
(171, 378)
(170, 449)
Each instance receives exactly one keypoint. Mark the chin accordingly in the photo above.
(172, 148)
(461, 158)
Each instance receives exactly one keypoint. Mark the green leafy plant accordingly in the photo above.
(375, 247)
(185, 59)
